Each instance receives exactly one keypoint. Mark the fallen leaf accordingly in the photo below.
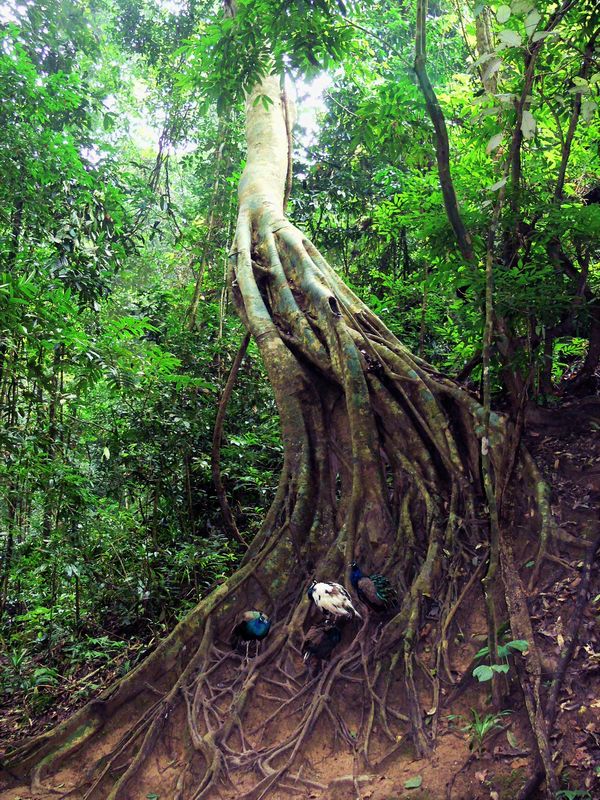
(512, 740)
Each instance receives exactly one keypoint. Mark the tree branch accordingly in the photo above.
(228, 519)
(442, 145)
(585, 70)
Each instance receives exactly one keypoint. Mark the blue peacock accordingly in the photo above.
(375, 591)
(250, 626)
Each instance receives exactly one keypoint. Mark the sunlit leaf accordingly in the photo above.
(510, 38)
(498, 185)
(503, 14)
(588, 109)
(491, 68)
(531, 21)
(522, 6)
(494, 142)
(528, 124)
(483, 673)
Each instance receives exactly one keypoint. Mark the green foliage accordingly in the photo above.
(109, 526)
(228, 55)
(480, 726)
(372, 197)
(485, 672)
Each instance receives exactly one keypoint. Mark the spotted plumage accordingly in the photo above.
(250, 626)
(320, 641)
(375, 591)
(332, 600)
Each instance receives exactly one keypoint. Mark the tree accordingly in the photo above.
(386, 461)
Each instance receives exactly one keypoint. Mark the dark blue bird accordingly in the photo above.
(375, 591)
(250, 626)
(320, 641)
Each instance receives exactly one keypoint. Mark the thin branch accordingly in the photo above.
(442, 145)
(566, 152)
(228, 518)
(289, 124)
(381, 39)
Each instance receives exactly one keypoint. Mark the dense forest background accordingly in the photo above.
(121, 147)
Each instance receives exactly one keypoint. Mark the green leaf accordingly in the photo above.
(108, 121)
(494, 142)
(528, 124)
(264, 99)
(483, 673)
(539, 35)
(501, 668)
(498, 185)
(510, 38)
(522, 645)
(512, 740)
(522, 6)
(503, 14)
(105, 453)
(414, 782)
(491, 68)
(531, 21)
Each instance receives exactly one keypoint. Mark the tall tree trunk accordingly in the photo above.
(381, 464)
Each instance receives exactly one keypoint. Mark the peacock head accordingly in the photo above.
(260, 625)
(311, 590)
(355, 573)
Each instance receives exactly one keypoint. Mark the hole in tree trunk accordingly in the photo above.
(333, 305)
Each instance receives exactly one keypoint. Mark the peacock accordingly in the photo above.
(333, 600)
(250, 626)
(375, 591)
(320, 641)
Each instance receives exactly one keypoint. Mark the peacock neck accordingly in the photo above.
(355, 576)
